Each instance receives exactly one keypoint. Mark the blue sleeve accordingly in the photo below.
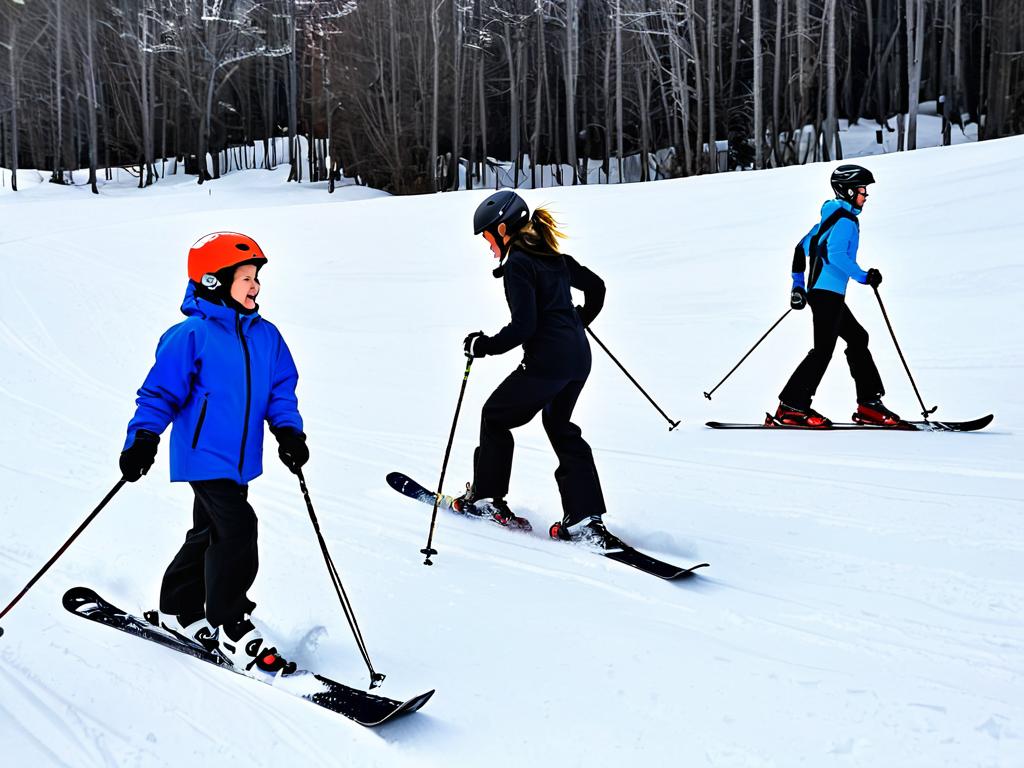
(842, 250)
(283, 407)
(169, 382)
(798, 280)
(522, 301)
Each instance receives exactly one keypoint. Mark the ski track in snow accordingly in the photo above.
(865, 599)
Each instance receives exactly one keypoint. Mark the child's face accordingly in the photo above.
(245, 287)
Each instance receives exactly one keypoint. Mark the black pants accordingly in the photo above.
(218, 562)
(514, 403)
(832, 320)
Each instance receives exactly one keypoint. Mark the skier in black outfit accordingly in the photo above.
(831, 246)
(555, 366)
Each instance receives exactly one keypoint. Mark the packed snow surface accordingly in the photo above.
(865, 602)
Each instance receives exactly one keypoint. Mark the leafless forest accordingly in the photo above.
(398, 93)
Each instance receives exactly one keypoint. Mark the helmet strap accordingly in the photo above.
(504, 244)
(499, 271)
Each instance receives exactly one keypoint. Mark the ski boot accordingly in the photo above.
(196, 631)
(495, 510)
(788, 416)
(245, 648)
(589, 531)
(874, 412)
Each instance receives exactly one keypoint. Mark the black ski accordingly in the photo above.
(406, 486)
(652, 565)
(360, 706)
(635, 558)
(903, 426)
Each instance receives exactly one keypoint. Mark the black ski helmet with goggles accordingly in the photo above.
(847, 179)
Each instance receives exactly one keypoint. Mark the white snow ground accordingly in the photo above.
(864, 605)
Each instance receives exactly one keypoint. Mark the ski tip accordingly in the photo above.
(691, 571)
(397, 481)
(77, 596)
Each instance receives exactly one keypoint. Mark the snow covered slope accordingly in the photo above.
(865, 600)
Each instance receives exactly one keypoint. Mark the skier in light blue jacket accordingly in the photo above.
(831, 247)
(219, 374)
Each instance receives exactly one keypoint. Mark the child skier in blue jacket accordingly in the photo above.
(831, 246)
(218, 375)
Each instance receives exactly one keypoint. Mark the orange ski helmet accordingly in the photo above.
(220, 251)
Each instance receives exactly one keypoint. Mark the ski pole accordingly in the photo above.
(709, 394)
(376, 678)
(429, 550)
(672, 424)
(925, 412)
(61, 551)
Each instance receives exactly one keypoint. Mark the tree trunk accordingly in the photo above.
(758, 79)
(915, 50)
(571, 60)
(831, 127)
(13, 74)
(295, 174)
(435, 34)
(698, 77)
(776, 160)
(92, 102)
(617, 21)
(711, 59)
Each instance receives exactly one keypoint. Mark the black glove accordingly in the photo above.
(291, 447)
(472, 344)
(798, 297)
(874, 278)
(138, 457)
(584, 316)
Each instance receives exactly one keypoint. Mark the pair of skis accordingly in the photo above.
(364, 708)
(903, 426)
(627, 555)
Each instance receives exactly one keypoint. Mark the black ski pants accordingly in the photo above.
(833, 320)
(514, 403)
(218, 561)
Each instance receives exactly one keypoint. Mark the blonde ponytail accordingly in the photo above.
(542, 229)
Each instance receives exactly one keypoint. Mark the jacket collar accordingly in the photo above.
(194, 305)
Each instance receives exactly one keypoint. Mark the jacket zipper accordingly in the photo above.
(199, 424)
(248, 391)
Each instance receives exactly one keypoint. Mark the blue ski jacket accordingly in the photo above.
(837, 246)
(218, 375)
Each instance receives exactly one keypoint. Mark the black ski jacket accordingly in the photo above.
(544, 320)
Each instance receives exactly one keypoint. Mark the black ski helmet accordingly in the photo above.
(847, 178)
(503, 207)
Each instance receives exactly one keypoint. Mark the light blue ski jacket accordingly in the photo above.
(838, 248)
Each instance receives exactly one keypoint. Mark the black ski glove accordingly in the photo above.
(138, 457)
(291, 447)
(474, 343)
(874, 278)
(584, 315)
(798, 297)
